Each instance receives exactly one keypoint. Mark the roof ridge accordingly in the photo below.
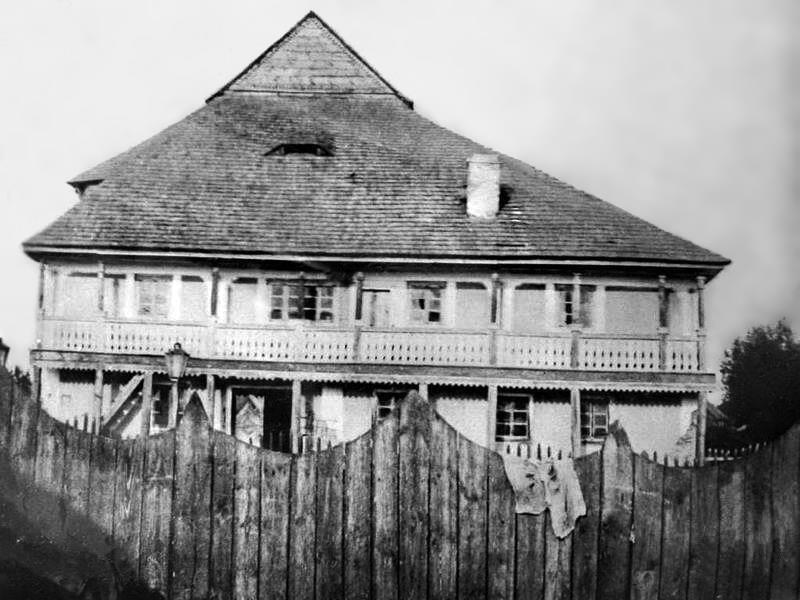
(291, 33)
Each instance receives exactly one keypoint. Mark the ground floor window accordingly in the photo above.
(159, 414)
(594, 419)
(387, 400)
(513, 418)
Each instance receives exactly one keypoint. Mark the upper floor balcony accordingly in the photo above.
(388, 346)
(455, 320)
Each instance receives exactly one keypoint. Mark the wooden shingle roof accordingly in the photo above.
(393, 184)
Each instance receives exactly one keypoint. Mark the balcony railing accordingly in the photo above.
(575, 350)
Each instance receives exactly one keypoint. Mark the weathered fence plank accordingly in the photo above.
(500, 546)
(276, 478)
(192, 508)
(731, 530)
(128, 502)
(156, 498)
(676, 532)
(48, 502)
(613, 569)
(22, 437)
(330, 495)
(357, 518)
(384, 510)
(101, 492)
(6, 408)
(703, 549)
(414, 460)
(223, 457)
(302, 525)
(584, 538)
(472, 529)
(785, 517)
(246, 513)
(758, 525)
(557, 567)
(646, 551)
(444, 506)
(76, 479)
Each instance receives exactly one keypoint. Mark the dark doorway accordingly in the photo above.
(262, 416)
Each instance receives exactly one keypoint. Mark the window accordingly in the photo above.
(153, 295)
(472, 306)
(387, 400)
(512, 421)
(570, 313)
(301, 301)
(193, 299)
(426, 302)
(594, 419)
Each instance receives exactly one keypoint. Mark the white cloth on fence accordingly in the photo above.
(547, 483)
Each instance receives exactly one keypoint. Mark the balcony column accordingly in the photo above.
(701, 324)
(491, 415)
(575, 346)
(359, 295)
(702, 412)
(101, 288)
(214, 292)
(575, 420)
(495, 317)
(663, 324)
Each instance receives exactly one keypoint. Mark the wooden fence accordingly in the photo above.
(411, 509)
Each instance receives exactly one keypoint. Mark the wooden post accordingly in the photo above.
(297, 406)
(701, 324)
(575, 420)
(496, 288)
(357, 343)
(101, 288)
(147, 405)
(422, 388)
(214, 290)
(702, 412)
(36, 383)
(98, 395)
(491, 415)
(41, 288)
(359, 295)
(211, 394)
(227, 425)
(576, 324)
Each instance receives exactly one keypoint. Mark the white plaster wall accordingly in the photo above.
(49, 393)
(466, 412)
(551, 425)
(650, 427)
(357, 414)
(75, 400)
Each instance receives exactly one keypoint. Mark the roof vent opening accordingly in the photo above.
(483, 186)
(314, 149)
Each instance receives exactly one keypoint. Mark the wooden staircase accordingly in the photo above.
(125, 402)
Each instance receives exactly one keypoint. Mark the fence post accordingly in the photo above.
(616, 521)
(191, 511)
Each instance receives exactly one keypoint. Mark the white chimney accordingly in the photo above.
(483, 186)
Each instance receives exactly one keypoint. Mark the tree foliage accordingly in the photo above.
(761, 379)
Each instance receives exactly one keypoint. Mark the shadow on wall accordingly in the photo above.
(40, 557)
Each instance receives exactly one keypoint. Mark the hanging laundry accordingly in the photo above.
(547, 483)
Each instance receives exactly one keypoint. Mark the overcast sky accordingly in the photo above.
(684, 112)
